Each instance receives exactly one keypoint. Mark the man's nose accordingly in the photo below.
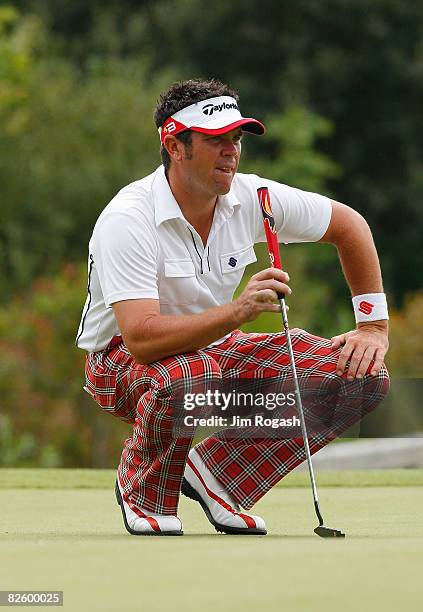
(230, 148)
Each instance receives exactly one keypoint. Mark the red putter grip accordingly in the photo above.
(269, 227)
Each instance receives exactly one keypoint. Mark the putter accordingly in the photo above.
(273, 247)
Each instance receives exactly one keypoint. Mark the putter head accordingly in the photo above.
(328, 532)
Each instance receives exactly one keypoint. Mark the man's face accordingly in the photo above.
(212, 161)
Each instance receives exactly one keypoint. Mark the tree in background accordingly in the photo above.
(320, 299)
(46, 419)
(69, 142)
(405, 357)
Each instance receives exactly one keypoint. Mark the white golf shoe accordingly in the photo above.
(220, 507)
(144, 522)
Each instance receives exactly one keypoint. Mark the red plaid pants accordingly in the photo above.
(153, 460)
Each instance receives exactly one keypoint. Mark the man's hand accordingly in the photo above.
(260, 294)
(366, 343)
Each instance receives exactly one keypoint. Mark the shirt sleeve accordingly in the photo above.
(300, 216)
(125, 254)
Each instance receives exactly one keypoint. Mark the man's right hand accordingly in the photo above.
(150, 335)
(260, 294)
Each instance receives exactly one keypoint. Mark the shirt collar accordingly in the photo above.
(227, 203)
(166, 207)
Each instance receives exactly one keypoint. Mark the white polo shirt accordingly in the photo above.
(143, 247)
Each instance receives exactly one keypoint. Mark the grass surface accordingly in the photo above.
(23, 478)
(61, 529)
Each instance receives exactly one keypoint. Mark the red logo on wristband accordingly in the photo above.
(365, 307)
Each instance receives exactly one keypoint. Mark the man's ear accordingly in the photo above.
(174, 147)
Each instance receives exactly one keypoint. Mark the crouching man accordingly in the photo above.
(165, 258)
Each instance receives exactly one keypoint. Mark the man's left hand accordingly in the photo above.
(361, 346)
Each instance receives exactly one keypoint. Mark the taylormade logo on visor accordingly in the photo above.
(209, 109)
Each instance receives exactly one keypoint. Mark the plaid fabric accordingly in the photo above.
(153, 461)
(248, 468)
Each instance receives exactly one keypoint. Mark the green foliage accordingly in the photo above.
(20, 449)
(69, 142)
(45, 417)
(96, 28)
(18, 41)
(405, 357)
(292, 138)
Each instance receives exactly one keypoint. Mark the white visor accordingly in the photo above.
(213, 116)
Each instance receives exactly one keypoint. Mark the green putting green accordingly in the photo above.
(62, 529)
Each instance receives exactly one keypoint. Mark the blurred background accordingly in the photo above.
(338, 83)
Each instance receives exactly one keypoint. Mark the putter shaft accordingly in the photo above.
(300, 410)
(321, 530)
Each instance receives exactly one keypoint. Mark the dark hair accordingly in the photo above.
(182, 94)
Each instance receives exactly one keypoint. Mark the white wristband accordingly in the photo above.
(370, 307)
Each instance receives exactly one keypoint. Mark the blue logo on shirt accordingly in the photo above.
(232, 262)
